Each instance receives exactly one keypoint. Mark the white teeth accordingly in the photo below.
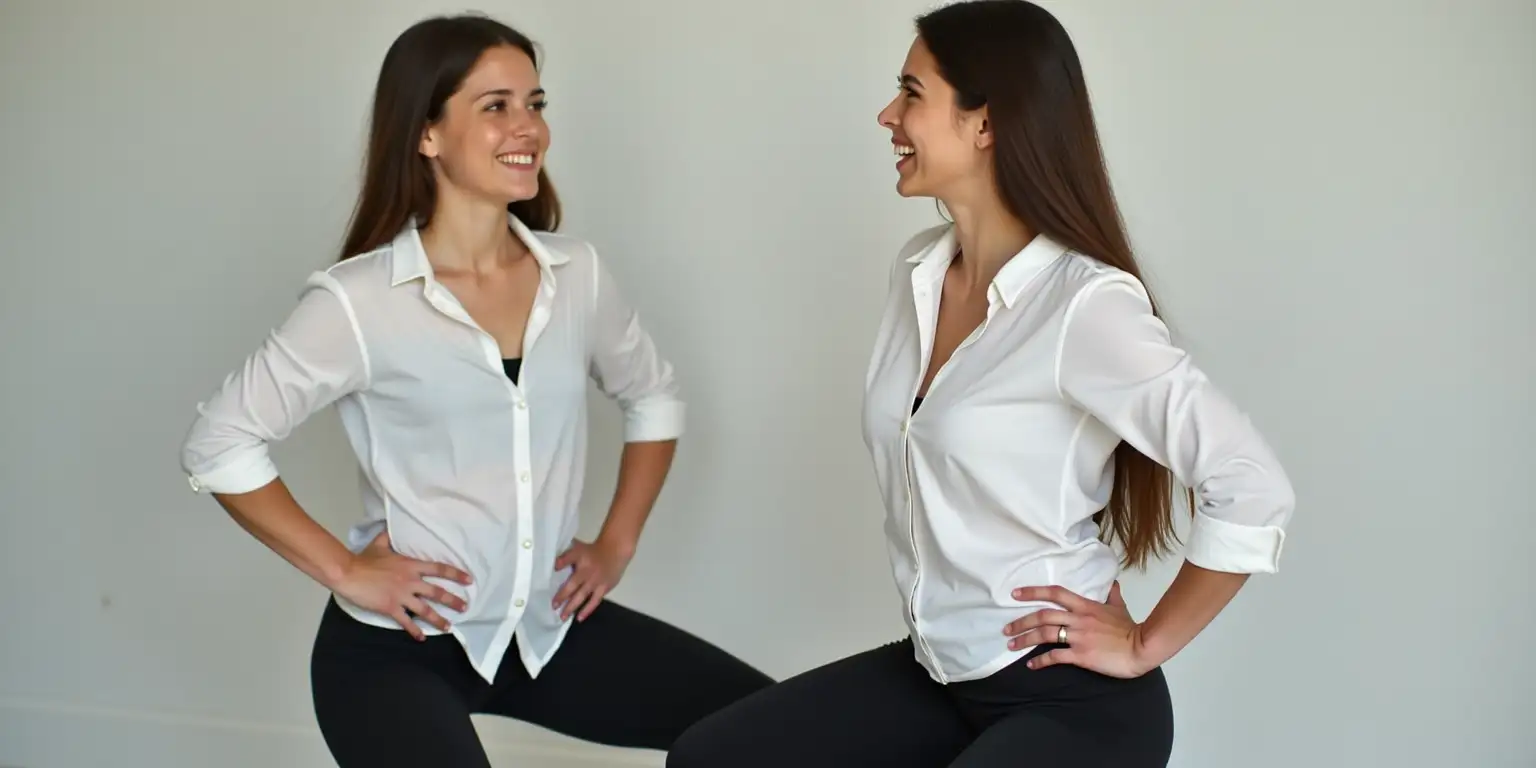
(902, 149)
(516, 159)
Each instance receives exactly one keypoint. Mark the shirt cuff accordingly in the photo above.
(240, 476)
(653, 420)
(1218, 545)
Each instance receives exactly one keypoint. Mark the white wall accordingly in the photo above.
(1333, 197)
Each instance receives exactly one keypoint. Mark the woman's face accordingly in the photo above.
(940, 148)
(491, 138)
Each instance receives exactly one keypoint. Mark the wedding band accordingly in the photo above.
(1061, 635)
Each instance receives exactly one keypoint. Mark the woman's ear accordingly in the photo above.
(984, 134)
(428, 146)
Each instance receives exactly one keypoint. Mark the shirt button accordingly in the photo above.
(527, 544)
(518, 602)
(522, 405)
(523, 477)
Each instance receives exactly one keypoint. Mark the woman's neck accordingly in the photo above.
(466, 236)
(988, 236)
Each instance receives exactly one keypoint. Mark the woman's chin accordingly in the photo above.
(518, 194)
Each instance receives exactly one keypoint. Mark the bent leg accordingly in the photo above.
(877, 708)
(382, 702)
(625, 679)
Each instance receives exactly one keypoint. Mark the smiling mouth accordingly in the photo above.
(904, 150)
(516, 159)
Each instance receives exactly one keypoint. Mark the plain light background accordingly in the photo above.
(1332, 197)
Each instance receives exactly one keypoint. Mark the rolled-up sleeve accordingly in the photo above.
(1117, 362)
(628, 368)
(313, 358)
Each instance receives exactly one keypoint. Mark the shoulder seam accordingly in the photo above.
(323, 280)
(1101, 277)
(597, 272)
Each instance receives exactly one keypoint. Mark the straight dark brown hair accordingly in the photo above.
(424, 66)
(1016, 59)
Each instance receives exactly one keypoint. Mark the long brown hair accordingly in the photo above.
(424, 66)
(1016, 59)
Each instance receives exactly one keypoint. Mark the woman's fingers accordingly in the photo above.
(568, 557)
(577, 580)
(1047, 617)
(1061, 596)
(404, 619)
(1053, 657)
(424, 610)
(442, 597)
(1032, 637)
(591, 604)
(442, 571)
(581, 595)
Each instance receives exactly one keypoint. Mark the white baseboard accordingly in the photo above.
(37, 734)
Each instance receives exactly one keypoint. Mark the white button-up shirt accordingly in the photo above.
(993, 482)
(462, 465)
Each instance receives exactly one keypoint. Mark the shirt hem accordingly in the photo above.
(376, 619)
(995, 665)
(535, 664)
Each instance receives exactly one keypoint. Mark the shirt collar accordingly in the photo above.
(409, 257)
(1020, 269)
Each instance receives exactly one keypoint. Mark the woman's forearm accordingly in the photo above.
(1192, 601)
(643, 469)
(271, 514)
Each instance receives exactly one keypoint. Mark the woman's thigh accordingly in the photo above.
(1065, 715)
(625, 679)
(877, 708)
(383, 700)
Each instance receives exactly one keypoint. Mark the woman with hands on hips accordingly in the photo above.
(1025, 408)
(456, 338)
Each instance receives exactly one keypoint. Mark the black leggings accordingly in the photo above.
(621, 678)
(879, 708)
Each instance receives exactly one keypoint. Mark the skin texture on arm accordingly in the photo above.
(274, 517)
(643, 469)
(1189, 605)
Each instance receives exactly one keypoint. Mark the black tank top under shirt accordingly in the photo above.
(513, 366)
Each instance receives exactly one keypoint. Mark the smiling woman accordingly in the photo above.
(455, 337)
(486, 74)
(1024, 409)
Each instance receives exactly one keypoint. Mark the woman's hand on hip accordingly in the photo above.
(1099, 636)
(596, 570)
(384, 581)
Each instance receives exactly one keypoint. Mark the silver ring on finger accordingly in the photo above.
(1061, 634)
